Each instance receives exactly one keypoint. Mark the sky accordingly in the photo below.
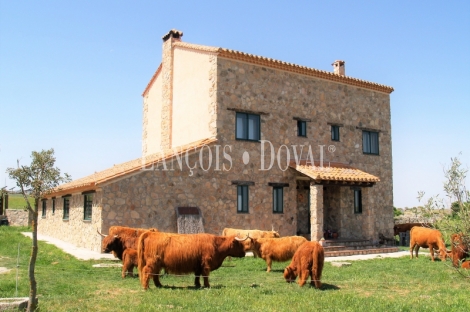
(72, 72)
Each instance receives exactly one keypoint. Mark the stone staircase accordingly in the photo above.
(349, 247)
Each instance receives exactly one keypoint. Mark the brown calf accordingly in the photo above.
(459, 249)
(276, 249)
(129, 262)
(427, 238)
(307, 261)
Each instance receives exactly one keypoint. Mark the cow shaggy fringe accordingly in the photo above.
(308, 261)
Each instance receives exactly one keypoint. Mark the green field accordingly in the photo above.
(67, 284)
(16, 201)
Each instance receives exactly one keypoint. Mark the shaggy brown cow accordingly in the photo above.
(459, 250)
(427, 238)
(184, 253)
(129, 262)
(120, 239)
(405, 227)
(307, 261)
(252, 234)
(276, 249)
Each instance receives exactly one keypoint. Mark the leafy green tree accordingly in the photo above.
(455, 189)
(37, 180)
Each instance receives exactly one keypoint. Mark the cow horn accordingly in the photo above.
(100, 233)
(244, 239)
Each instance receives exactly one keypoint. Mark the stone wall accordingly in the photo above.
(75, 229)
(280, 97)
(18, 217)
(149, 198)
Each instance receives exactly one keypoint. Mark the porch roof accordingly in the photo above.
(335, 173)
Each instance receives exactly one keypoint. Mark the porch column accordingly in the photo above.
(316, 211)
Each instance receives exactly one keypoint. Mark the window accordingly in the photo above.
(370, 142)
(301, 128)
(334, 133)
(44, 207)
(87, 206)
(357, 201)
(278, 199)
(247, 127)
(53, 206)
(66, 208)
(242, 198)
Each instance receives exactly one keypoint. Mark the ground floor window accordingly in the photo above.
(44, 207)
(278, 199)
(53, 206)
(242, 198)
(66, 208)
(87, 206)
(357, 201)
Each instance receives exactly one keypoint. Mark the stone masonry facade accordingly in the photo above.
(208, 177)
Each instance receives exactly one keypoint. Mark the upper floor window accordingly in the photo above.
(301, 128)
(242, 198)
(87, 206)
(66, 208)
(278, 199)
(357, 201)
(370, 142)
(44, 207)
(248, 127)
(334, 133)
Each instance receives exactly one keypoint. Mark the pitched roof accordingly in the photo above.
(273, 63)
(334, 172)
(96, 179)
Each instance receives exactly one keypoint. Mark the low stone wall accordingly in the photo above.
(18, 217)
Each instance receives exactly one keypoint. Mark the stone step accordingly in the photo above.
(346, 242)
(352, 252)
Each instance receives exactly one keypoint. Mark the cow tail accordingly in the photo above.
(140, 254)
(318, 261)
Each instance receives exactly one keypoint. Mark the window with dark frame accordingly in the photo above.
(278, 199)
(357, 201)
(66, 208)
(242, 198)
(334, 133)
(87, 206)
(301, 128)
(44, 207)
(370, 142)
(247, 127)
(53, 206)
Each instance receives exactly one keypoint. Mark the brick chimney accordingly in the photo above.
(167, 87)
(339, 68)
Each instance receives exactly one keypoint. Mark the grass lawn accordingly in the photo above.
(16, 201)
(67, 284)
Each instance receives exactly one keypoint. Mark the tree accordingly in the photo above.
(459, 198)
(37, 180)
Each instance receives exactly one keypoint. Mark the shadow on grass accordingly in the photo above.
(328, 287)
(172, 287)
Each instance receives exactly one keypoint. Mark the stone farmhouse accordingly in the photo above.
(238, 140)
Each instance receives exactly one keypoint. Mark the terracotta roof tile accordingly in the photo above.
(335, 172)
(98, 178)
(269, 62)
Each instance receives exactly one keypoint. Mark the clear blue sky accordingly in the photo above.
(72, 72)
